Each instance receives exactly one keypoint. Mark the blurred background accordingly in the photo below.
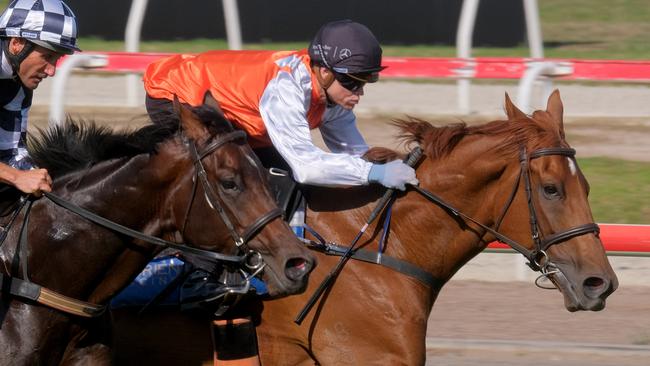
(449, 60)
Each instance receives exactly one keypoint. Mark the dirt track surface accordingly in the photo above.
(515, 323)
(506, 322)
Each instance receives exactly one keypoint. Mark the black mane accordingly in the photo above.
(81, 144)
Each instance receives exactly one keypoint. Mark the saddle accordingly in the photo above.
(286, 192)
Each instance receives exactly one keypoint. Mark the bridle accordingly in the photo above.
(25, 289)
(240, 240)
(538, 259)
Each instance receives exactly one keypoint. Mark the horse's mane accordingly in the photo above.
(79, 144)
(440, 141)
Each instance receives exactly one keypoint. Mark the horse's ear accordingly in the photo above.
(177, 105)
(555, 108)
(190, 122)
(512, 111)
(211, 102)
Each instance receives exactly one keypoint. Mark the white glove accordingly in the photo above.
(394, 174)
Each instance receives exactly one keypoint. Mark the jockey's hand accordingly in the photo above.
(33, 181)
(394, 174)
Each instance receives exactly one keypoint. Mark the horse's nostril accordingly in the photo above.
(296, 268)
(594, 286)
(594, 282)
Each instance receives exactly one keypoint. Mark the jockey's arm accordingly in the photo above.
(283, 109)
(27, 181)
(340, 133)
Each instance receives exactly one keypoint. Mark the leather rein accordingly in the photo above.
(24, 288)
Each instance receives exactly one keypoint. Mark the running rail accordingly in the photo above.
(618, 240)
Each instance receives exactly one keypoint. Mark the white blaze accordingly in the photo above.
(572, 166)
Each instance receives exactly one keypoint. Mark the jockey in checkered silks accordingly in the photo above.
(34, 34)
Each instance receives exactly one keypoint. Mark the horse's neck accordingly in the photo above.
(110, 188)
(421, 233)
(126, 192)
(474, 180)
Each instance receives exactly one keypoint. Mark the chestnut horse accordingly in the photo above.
(200, 183)
(514, 180)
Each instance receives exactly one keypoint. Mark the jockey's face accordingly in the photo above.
(337, 93)
(39, 63)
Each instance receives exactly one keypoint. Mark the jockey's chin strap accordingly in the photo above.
(325, 83)
(16, 59)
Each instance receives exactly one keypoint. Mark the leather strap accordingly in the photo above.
(384, 260)
(139, 235)
(31, 291)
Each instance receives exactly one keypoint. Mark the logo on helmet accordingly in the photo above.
(345, 53)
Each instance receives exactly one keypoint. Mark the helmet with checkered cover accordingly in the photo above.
(48, 23)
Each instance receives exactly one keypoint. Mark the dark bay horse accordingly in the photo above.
(200, 184)
(518, 178)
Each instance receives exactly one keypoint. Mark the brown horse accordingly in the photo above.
(199, 183)
(514, 180)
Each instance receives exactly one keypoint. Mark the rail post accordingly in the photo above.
(82, 60)
(535, 71)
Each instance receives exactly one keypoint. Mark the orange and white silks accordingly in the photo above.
(275, 98)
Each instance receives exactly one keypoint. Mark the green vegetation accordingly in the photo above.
(620, 190)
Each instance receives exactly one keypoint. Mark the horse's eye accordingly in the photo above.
(551, 190)
(229, 185)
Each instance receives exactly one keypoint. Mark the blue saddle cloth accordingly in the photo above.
(155, 278)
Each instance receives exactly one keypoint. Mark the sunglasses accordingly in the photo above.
(349, 82)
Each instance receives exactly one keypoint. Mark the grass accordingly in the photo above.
(620, 190)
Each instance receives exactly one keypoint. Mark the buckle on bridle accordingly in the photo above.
(541, 262)
(254, 261)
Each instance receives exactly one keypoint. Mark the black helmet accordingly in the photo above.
(347, 47)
